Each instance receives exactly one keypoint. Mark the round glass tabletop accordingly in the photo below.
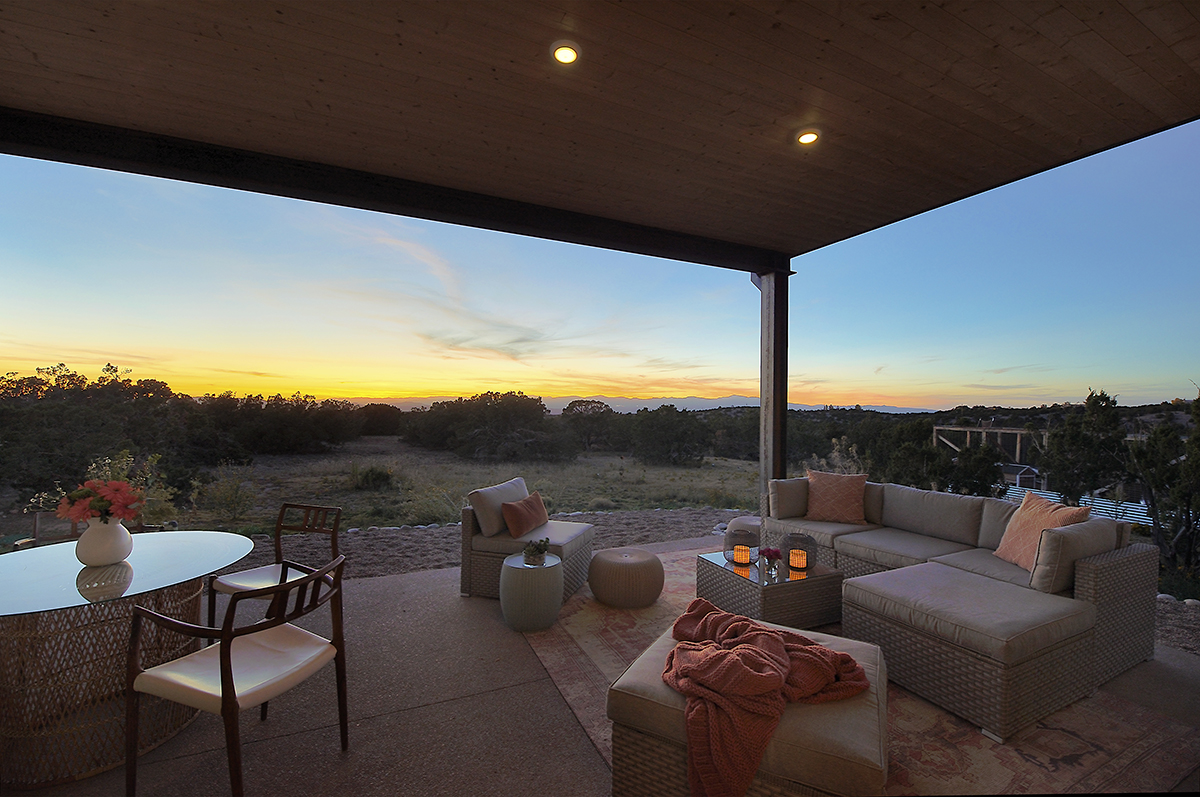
(50, 577)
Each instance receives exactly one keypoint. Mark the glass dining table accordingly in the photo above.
(64, 639)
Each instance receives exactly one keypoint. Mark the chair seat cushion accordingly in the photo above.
(265, 664)
(566, 539)
(893, 548)
(838, 747)
(254, 578)
(1005, 622)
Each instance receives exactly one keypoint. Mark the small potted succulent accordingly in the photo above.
(535, 552)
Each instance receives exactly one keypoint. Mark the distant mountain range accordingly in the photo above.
(622, 404)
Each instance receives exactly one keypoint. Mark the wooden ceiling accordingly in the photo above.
(674, 133)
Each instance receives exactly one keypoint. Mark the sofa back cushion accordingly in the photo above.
(486, 502)
(789, 497)
(1024, 532)
(873, 503)
(836, 497)
(996, 514)
(1059, 549)
(943, 515)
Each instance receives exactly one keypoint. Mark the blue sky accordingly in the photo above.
(1085, 276)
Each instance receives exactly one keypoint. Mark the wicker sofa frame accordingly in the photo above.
(480, 575)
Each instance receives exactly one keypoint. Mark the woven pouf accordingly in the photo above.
(626, 578)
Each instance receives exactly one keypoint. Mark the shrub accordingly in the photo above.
(601, 505)
(228, 493)
(373, 477)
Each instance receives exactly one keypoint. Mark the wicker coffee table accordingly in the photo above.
(799, 599)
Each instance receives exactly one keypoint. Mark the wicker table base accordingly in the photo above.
(62, 687)
(794, 599)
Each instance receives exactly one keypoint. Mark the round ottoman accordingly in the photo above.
(626, 578)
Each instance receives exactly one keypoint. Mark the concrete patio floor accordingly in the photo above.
(446, 700)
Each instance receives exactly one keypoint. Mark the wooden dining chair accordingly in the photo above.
(270, 656)
(292, 517)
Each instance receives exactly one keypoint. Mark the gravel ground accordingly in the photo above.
(386, 551)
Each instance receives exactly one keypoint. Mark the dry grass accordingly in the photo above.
(431, 487)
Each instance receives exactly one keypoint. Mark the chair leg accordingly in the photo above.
(212, 606)
(262, 712)
(131, 742)
(233, 748)
(339, 665)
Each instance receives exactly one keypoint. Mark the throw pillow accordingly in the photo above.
(525, 515)
(1019, 544)
(836, 497)
(486, 502)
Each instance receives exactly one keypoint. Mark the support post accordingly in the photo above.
(772, 391)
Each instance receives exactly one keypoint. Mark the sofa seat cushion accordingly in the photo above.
(566, 539)
(1005, 622)
(894, 547)
(986, 563)
(823, 533)
(838, 747)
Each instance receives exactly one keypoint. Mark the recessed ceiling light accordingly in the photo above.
(808, 136)
(565, 52)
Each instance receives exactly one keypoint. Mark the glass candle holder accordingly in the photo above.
(741, 546)
(797, 550)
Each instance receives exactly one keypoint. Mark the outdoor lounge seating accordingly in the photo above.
(999, 645)
(840, 747)
(486, 541)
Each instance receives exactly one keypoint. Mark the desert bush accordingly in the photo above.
(601, 505)
(227, 493)
(372, 477)
(668, 436)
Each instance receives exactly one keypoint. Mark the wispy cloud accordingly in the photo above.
(1002, 387)
(1036, 368)
(879, 369)
(433, 261)
(264, 374)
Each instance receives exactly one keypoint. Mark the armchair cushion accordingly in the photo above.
(525, 515)
(487, 502)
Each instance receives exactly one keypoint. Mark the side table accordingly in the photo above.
(798, 599)
(531, 595)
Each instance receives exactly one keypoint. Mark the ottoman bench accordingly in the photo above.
(626, 578)
(999, 655)
(828, 748)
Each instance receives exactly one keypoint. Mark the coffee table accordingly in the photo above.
(795, 598)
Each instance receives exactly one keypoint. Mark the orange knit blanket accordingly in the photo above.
(737, 676)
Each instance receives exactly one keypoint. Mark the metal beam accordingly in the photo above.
(88, 144)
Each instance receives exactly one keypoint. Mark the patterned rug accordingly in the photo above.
(1100, 744)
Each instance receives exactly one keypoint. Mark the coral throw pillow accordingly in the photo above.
(1023, 533)
(525, 515)
(836, 497)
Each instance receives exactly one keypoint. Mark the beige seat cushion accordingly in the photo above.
(985, 563)
(823, 533)
(1005, 622)
(838, 747)
(942, 515)
(566, 538)
(894, 547)
(265, 664)
(255, 578)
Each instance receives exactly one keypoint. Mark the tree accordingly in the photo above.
(668, 436)
(1167, 466)
(500, 426)
(977, 471)
(590, 420)
(1088, 451)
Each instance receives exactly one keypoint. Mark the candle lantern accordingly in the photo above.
(797, 550)
(741, 543)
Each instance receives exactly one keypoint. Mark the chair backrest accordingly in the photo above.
(312, 591)
(306, 517)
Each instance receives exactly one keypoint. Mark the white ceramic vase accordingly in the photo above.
(104, 542)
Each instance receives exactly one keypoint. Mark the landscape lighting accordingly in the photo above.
(565, 52)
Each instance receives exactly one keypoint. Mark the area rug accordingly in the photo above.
(1100, 744)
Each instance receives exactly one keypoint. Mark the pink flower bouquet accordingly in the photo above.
(102, 499)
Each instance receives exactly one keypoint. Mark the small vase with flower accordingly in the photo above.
(103, 504)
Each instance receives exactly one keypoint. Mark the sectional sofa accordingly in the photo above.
(999, 645)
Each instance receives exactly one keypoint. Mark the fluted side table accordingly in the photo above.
(531, 595)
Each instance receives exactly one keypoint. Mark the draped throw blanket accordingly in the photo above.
(738, 676)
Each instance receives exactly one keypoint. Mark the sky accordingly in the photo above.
(1086, 276)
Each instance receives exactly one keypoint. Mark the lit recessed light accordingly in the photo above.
(565, 52)
(808, 136)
